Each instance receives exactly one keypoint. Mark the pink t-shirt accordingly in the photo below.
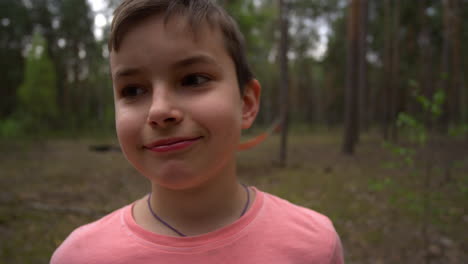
(272, 231)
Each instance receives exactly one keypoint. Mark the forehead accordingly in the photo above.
(155, 39)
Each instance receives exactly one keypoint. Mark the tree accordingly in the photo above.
(76, 22)
(284, 89)
(391, 67)
(15, 27)
(362, 63)
(334, 69)
(67, 26)
(351, 118)
(257, 22)
(37, 95)
(451, 64)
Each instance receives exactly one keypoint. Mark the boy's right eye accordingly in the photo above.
(194, 80)
(132, 91)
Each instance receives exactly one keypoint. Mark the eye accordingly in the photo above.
(194, 80)
(132, 91)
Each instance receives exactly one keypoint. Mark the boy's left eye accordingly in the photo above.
(194, 80)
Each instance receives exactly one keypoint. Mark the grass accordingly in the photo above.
(52, 187)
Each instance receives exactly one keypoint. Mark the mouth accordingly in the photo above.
(171, 144)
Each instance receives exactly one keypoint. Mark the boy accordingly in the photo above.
(183, 92)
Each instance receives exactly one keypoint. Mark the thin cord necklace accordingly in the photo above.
(177, 231)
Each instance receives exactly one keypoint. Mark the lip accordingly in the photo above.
(171, 144)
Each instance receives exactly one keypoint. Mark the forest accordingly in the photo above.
(370, 97)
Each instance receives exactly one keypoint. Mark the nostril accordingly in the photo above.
(170, 119)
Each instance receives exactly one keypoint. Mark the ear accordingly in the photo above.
(250, 103)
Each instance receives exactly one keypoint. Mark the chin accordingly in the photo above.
(175, 179)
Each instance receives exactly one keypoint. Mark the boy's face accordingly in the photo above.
(179, 112)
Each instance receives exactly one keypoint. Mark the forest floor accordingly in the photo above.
(385, 212)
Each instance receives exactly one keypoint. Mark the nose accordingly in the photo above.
(164, 112)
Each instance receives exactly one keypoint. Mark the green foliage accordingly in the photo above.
(434, 106)
(380, 185)
(404, 154)
(460, 130)
(10, 128)
(37, 96)
(416, 129)
(427, 202)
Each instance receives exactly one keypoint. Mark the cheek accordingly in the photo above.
(223, 117)
(127, 124)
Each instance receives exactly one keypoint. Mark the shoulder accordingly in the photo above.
(81, 243)
(302, 228)
(297, 215)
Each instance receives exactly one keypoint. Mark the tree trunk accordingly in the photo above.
(395, 66)
(316, 96)
(391, 75)
(445, 78)
(284, 89)
(426, 74)
(352, 73)
(386, 78)
(363, 82)
(456, 63)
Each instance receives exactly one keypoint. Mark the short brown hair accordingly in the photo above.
(130, 12)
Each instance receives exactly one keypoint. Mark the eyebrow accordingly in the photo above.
(127, 72)
(197, 59)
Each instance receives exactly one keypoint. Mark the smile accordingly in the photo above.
(171, 144)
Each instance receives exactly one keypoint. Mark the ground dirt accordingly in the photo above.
(385, 211)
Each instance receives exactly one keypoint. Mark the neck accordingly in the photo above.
(213, 204)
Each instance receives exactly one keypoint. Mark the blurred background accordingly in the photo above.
(371, 97)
